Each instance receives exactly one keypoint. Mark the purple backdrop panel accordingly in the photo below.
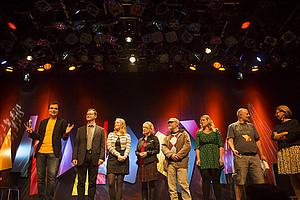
(23, 152)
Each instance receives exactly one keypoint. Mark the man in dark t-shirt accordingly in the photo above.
(244, 141)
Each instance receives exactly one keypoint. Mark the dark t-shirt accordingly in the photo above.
(293, 137)
(244, 137)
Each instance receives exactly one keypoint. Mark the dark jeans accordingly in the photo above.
(209, 175)
(49, 161)
(92, 172)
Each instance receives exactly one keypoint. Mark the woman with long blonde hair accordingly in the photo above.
(118, 145)
(209, 152)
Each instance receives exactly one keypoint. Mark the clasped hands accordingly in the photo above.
(143, 154)
(280, 136)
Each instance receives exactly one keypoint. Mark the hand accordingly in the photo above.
(237, 153)
(143, 154)
(69, 128)
(198, 163)
(28, 127)
(121, 158)
(263, 157)
(276, 136)
(174, 157)
(221, 162)
(283, 135)
(100, 161)
(74, 162)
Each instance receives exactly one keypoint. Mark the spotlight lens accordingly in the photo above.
(217, 65)
(47, 66)
(12, 26)
(207, 50)
(71, 68)
(193, 67)
(3, 62)
(255, 68)
(258, 59)
(40, 69)
(128, 39)
(29, 58)
(245, 25)
(222, 69)
(132, 59)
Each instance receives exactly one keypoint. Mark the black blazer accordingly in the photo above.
(59, 132)
(98, 145)
(151, 147)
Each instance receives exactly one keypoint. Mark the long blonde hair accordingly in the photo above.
(122, 127)
(150, 125)
(211, 125)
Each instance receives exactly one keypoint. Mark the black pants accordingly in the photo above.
(209, 175)
(93, 172)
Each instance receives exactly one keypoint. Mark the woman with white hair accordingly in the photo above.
(146, 151)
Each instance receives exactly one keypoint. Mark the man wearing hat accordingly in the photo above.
(176, 147)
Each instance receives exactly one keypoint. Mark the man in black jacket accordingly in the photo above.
(48, 151)
(88, 153)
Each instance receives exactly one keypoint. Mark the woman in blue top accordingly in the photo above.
(209, 152)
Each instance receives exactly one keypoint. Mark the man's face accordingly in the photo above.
(90, 115)
(53, 110)
(244, 115)
(172, 125)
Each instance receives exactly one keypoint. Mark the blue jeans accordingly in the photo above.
(49, 161)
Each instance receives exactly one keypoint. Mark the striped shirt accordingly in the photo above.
(125, 142)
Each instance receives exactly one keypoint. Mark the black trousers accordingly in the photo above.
(92, 177)
(208, 176)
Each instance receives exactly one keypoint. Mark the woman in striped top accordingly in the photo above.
(118, 145)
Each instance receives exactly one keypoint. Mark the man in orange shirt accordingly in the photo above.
(48, 151)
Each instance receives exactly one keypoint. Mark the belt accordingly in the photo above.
(89, 150)
(248, 154)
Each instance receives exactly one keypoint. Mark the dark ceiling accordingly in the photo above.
(168, 36)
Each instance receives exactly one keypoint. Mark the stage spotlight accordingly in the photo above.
(258, 59)
(72, 68)
(254, 68)
(29, 58)
(132, 59)
(27, 77)
(207, 50)
(40, 68)
(77, 12)
(3, 62)
(217, 65)
(193, 67)
(47, 66)
(245, 25)
(128, 39)
(240, 76)
(12, 26)
(9, 69)
(222, 68)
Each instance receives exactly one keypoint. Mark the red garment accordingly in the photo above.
(143, 150)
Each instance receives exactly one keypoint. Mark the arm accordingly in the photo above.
(186, 147)
(231, 145)
(137, 151)
(294, 132)
(259, 146)
(75, 150)
(221, 147)
(156, 147)
(164, 148)
(111, 148)
(128, 145)
(66, 129)
(197, 148)
(102, 146)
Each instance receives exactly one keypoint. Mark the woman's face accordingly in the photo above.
(204, 122)
(280, 115)
(146, 129)
(117, 124)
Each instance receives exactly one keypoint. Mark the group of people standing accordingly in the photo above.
(89, 153)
